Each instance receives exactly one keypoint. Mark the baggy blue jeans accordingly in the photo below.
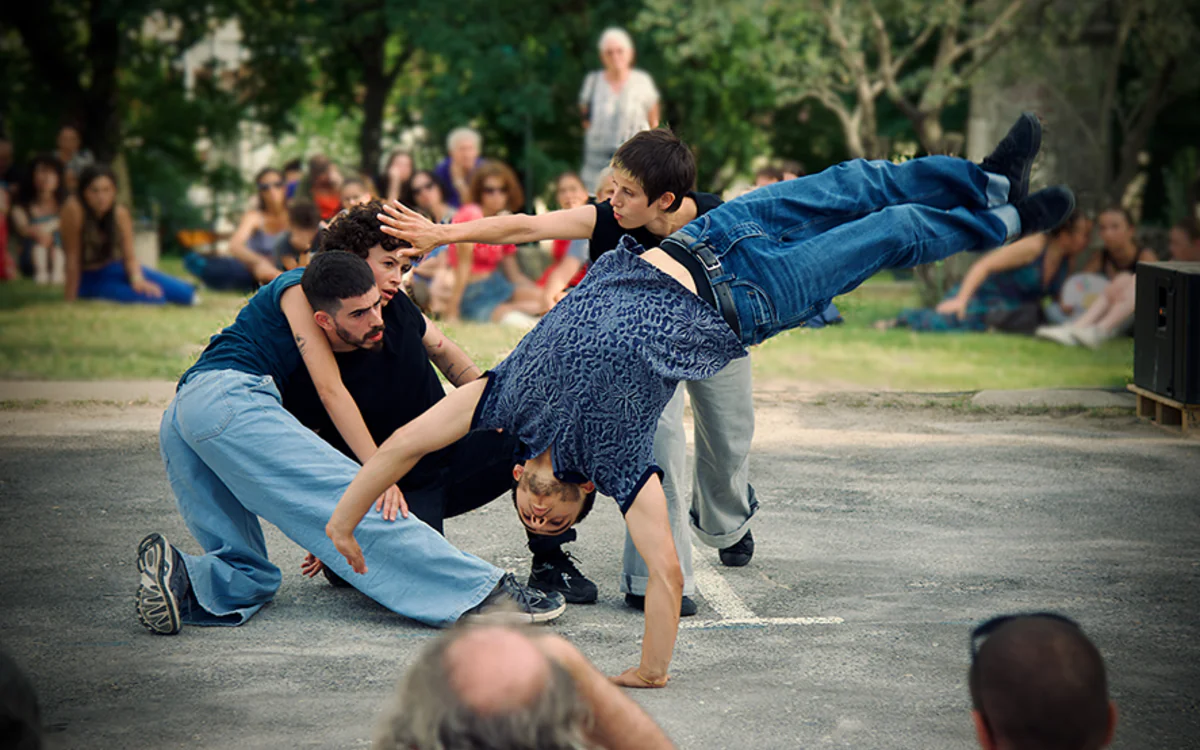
(233, 454)
(787, 249)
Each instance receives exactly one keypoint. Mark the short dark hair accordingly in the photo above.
(660, 163)
(1070, 224)
(1038, 682)
(357, 231)
(303, 214)
(589, 499)
(295, 165)
(330, 278)
(775, 173)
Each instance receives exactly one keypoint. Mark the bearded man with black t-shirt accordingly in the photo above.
(394, 382)
(655, 173)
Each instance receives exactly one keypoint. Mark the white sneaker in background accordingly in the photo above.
(1064, 335)
(518, 319)
(1093, 337)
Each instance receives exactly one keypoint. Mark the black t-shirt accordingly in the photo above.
(607, 232)
(392, 387)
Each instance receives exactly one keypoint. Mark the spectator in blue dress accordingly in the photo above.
(1005, 289)
(584, 390)
(97, 235)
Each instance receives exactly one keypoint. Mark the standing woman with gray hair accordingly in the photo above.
(463, 147)
(616, 103)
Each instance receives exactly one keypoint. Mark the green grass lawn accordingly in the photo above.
(43, 338)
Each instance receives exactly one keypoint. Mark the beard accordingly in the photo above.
(361, 342)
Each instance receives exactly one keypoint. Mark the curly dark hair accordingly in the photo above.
(357, 231)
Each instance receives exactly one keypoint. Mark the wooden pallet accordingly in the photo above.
(1166, 412)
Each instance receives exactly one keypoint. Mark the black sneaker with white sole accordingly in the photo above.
(163, 586)
(512, 601)
(556, 571)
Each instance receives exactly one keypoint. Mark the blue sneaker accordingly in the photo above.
(163, 587)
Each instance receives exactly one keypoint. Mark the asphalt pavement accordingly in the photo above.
(884, 534)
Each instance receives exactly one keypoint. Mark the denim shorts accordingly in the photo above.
(480, 298)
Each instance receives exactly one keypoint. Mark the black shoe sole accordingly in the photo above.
(1021, 190)
(154, 589)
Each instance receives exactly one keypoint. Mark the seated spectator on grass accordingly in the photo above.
(356, 191)
(570, 257)
(431, 280)
(296, 245)
(509, 689)
(488, 283)
(251, 262)
(767, 176)
(605, 185)
(322, 185)
(20, 714)
(35, 219)
(397, 173)
(1037, 682)
(1112, 312)
(71, 154)
(293, 173)
(97, 235)
(1005, 288)
(463, 147)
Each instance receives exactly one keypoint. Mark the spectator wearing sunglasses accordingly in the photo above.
(1038, 682)
(253, 242)
(488, 283)
(432, 279)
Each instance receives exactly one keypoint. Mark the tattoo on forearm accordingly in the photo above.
(300, 344)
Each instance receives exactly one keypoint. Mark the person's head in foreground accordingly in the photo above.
(357, 232)
(653, 171)
(485, 687)
(1038, 683)
(347, 306)
(545, 504)
(20, 715)
(1184, 241)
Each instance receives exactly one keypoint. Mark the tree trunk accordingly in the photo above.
(100, 116)
(378, 84)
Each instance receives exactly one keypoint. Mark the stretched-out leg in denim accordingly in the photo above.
(253, 459)
(722, 499)
(778, 283)
(670, 453)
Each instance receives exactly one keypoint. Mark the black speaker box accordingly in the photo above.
(1166, 330)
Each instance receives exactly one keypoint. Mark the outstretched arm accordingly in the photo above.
(650, 528)
(515, 229)
(1006, 258)
(447, 421)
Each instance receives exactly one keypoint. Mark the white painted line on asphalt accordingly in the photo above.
(757, 622)
(717, 591)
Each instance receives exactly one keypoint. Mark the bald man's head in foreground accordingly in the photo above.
(1038, 683)
(485, 687)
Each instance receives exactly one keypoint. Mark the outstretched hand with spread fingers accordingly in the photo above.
(415, 228)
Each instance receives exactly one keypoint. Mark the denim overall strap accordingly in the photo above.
(717, 278)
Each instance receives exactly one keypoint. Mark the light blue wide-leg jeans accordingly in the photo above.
(233, 455)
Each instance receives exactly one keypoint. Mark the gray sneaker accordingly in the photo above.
(512, 601)
(163, 586)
